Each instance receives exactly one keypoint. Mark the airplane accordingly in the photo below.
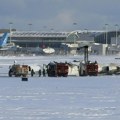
(73, 45)
(4, 46)
(44, 51)
(48, 50)
(3, 40)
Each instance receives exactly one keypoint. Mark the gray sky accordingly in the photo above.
(59, 14)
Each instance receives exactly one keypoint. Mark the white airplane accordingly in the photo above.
(48, 50)
(10, 47)
(73, 45)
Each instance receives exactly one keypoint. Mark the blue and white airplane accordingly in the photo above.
(6, 46)
(4, 39)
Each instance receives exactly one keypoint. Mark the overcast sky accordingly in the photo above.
(59, 14)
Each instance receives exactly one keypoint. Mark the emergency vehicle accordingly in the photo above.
(57, 69)
(87, 67)
(18, 70)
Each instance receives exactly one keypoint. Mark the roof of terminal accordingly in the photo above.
(53, 34)
(39, 34)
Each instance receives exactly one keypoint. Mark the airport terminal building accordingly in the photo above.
(48, 39)
(38, 39)
(54, 39)
(32, 40)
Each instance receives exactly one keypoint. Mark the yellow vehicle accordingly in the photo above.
(18, 70)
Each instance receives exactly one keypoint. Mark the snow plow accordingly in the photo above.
(57, 69)
(18, 70)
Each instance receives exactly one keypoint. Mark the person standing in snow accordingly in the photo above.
(39, 72)
(43, 72)
(32, 73)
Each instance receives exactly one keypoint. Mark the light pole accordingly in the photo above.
(52, 29)
(74, 23)
(116, 26)
(86, 30)
(104, 33)
(106, 27)
(30, 26)
(10, 23)
(74, 33)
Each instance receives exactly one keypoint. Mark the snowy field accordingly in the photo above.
(58, 98)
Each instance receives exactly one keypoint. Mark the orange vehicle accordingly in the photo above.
(18, 70)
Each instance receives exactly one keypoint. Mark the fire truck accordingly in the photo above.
(18, 70)
(57, 69)
(92, 68)
(87, 67)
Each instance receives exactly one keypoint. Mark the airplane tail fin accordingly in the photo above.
(4, 39)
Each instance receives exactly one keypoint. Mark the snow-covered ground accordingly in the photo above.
(58, 98)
